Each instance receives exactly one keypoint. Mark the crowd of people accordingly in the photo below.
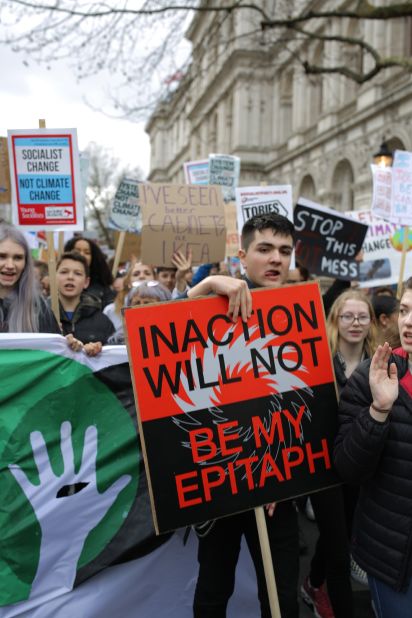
(364, 523)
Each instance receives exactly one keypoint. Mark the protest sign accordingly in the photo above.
(252, 201)
(382, 191)
(196, 172)
(5, 193)
(392, 189)
(45, 178)
(224, 170)
(232, 416)
(125, 209)
(382, 250)
(179, 218)
(327, 241)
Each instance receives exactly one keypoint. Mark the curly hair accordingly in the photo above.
(99, 268)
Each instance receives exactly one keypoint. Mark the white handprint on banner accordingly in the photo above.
(65, 518)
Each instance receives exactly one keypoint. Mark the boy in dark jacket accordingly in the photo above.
(80, 314)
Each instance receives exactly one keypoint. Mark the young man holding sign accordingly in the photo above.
(267, 245)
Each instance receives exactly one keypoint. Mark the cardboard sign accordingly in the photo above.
(5, 193)
(252, 201)
(224, 170)
(131, 246)
(196, 172)
(232, 416)
(125, 212)
(46, 181)
(392, 189)
(382, 250)
(327, 242)
(179, 218)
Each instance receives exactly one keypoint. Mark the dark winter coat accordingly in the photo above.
(103, 293)
(89, 324)
(378, 455)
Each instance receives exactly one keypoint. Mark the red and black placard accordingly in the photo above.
(232, 416)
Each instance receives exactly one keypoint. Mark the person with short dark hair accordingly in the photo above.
(166, 276)
(267, 245)
(80, 314)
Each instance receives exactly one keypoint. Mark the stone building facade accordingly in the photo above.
(243, 94)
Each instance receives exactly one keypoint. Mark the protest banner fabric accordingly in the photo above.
(72, 482)
(179, 218)
(196, 172)
(242, 414)
(382, 250)
(224, 170)
(125, 212)
(327, 242)
(252, 201)
(5, 193)
(46, 179)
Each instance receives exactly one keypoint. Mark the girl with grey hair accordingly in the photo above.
(22, 308)
(141, 293)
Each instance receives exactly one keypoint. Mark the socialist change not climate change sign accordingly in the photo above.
(46, 182)
(233, 416)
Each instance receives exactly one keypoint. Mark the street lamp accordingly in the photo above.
(383, 157)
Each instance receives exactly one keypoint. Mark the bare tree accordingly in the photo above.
(141, 44)
(104, 175)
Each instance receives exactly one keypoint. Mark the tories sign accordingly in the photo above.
(46, 181)
(232, 416)
(327, 242)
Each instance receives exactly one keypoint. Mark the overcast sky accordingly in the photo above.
(30, 93)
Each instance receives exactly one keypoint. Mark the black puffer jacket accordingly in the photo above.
(89, 324)
(379, 457)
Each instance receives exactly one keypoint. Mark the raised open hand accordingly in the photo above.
(67, 507)
(383, 380)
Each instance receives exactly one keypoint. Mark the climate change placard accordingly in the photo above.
(232, 416)
(46, 181)
(125, 212)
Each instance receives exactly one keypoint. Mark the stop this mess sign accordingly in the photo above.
(46, 185)
(232, 416)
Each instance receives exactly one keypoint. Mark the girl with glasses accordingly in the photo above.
(351, 333)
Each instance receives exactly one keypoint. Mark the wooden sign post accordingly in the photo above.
(405, 232)
(267, 562)
(51, 258)
(118, 253)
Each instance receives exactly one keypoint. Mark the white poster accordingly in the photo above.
(196, 172)
(252, 201)
(46, 179)
(125, 214)
(382, 250)
(224, 170)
